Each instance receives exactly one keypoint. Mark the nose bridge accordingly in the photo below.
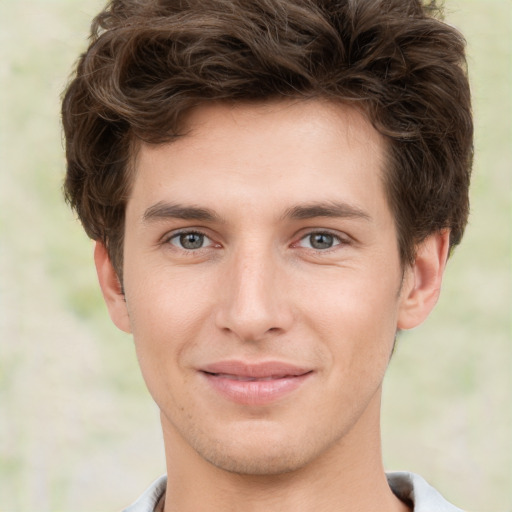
(252, 304)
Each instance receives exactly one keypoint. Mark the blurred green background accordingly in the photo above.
(78, 431)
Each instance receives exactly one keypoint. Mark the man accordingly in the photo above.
(274, 187)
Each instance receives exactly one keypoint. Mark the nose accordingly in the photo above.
(253, 300)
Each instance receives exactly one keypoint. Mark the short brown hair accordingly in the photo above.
(150, 62)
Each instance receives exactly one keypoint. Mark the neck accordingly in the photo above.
(348, 476)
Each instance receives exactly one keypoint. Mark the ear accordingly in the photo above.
(422, 281)
(111, 288)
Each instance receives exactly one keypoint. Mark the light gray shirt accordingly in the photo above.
(409, 487)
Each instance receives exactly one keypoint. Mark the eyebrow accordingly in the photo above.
(163, 210)
(325, 209)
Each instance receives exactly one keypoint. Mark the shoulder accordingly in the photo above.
(412, 488)
(148, 501)
(409, 487)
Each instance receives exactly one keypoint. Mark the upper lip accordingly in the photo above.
(259, 370)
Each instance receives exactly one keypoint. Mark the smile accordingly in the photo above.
(250, 379)
(254, 384)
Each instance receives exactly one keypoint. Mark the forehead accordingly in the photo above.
(314, 121)
(298, 150)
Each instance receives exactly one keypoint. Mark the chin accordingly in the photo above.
(267, 464)
(256, 454)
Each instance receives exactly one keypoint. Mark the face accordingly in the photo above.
(263, 283)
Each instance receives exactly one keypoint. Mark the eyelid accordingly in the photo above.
(169, 236)
(341, 238)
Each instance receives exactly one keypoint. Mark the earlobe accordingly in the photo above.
(111, 288)
(422, 282)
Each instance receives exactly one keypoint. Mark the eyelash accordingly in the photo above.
(339, 241)
(177, 235)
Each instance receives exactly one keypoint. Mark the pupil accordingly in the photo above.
(191, 240)
(321, 241)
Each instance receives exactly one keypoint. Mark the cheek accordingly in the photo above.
(167, 320)
(166, 314)
(356, 315)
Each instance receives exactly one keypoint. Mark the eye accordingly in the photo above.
(190, 240)
(320, 241)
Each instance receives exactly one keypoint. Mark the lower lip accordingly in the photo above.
(255, 392)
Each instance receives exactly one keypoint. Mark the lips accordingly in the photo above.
(244, 378)
(254, 384)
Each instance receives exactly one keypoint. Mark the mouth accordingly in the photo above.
(254, 384)
(245, 378)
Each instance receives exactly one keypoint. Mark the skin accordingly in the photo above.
(258, 287)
